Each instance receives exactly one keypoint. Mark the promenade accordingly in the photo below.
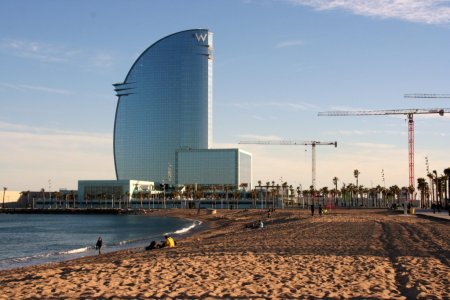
(443, 214)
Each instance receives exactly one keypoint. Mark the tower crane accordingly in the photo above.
(410, 115)
(427, 95)
(296, 143)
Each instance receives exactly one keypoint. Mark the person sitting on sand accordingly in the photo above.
(153, 245)
(261, 224)
(99, 245)
(169, 241)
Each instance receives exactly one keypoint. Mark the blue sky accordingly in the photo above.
(277, 63)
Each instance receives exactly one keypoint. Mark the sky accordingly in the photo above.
(277, 63)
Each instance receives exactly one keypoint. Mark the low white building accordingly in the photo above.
(115, 193)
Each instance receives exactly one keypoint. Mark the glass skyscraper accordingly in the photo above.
(163, 124)
(165, 104)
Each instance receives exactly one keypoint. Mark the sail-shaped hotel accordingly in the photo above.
(163, 123)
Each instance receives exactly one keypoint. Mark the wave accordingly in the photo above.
(187, 229)
(75, 251)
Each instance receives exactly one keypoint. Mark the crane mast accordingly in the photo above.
(296, 143)
(410, 115)
(427, 95)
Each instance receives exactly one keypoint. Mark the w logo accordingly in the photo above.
(201, 37)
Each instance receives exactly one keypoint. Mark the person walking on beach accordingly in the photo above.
(312, 210)
(99, 245)
(320, 210)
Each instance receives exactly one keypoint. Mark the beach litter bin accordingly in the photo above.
(412, 210)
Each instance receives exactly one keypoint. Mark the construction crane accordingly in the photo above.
(408, 112)
(296, 143)
(427, 95)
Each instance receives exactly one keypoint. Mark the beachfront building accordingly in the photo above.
(165, 103)
(164, 109)
(115, 193)
(231, 167)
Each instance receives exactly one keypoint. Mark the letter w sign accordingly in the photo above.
(201, 37)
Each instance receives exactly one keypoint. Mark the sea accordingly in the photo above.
(32, 239)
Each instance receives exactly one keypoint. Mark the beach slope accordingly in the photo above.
(346, 254)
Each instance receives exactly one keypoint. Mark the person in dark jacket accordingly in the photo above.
(99, 245)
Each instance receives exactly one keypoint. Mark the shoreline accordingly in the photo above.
(58, 256)
(346, 254)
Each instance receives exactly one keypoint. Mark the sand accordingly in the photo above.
(346, 254)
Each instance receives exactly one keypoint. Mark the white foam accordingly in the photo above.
(74, 251)
(186, 229)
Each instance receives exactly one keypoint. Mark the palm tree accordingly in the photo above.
(55, 195)
(26, 194)
(447, 185)
(236, 197)
(395, 192)
(273, 193)
(344, 191)
(214, 196)
(283, 189)
(440, 187)
(377, 193)
(127, 199)
(43, 196)
(267, 192)
(430, 176)
(22, 195)
(324, 192)
(4, 191)
(74, 198)
(254, 194)
(422, 185)
(364, 192)
(351, 188)
(335, 182)
(384, 192)
(299, 191)
(291, 195)
(227, 199)
(51, 199)
(140, 195)
(356, 174)
(260, 191)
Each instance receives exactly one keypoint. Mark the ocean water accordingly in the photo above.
(27, 239)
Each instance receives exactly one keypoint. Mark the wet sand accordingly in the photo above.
(373, 254)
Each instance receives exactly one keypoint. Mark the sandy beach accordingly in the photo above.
(374, 254)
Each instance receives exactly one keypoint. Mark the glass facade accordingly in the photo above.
(165, 104)
(213, 167)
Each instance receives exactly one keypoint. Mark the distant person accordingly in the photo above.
(99, 244)
(269, 214)
(261, 224)
(153, 245)
(320, 210)
(169, 241)
(312, 210)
